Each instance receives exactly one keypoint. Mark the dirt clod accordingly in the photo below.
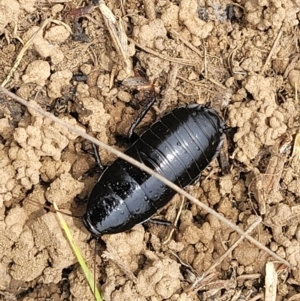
(242, 57)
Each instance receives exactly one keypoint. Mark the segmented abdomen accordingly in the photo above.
(178, 146)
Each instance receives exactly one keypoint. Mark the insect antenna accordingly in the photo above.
(51, 209)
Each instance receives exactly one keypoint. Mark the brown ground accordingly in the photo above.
(242, 56)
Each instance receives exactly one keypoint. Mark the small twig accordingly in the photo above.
(164, 57)
(296, 146)
(202, 84)
(93, 56)
(112, 76)
(238, 5)
(191, 81)
(205, 63)
(15, 32)
(188, 44)
(268, 183)
(272, 49)
(271, 281)
(122, 2)
(220, 259)
(183, 263)
(117, 34)
(216, 83)
(170, 87)
(149, 9)
(248, 276)
(168, 238)
(185, 42)
(26, 46)
(296, 93)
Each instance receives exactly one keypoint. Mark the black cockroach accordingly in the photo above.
(178, 146)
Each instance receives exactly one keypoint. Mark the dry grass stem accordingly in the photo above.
(168, 238)
(118, 35)
(181, 61)
(143, 167)
(220, 259)
(272, 49)
(170, 87)
(271, 281)
(185, 42)
(27, 45)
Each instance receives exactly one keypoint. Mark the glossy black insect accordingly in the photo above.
(178, 146)
(79, 77)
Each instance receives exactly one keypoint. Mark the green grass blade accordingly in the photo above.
(78, 255)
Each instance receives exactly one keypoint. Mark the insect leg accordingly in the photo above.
(98, 159)
(164, 223)
(223, 158)
(141, 115)
(161, 222)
